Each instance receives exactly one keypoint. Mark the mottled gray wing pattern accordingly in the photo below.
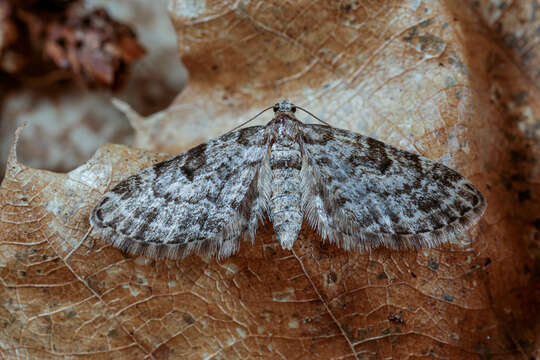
(364, 193)
(204, 200)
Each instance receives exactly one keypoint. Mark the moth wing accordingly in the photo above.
(204, 200)
(365, 193)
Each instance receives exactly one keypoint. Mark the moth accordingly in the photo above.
(355, 191)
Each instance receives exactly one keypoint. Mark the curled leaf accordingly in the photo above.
(421, 76)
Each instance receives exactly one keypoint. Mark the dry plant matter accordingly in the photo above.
(61, 37)
(431, 77)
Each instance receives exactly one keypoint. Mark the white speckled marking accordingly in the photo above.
(355, 191)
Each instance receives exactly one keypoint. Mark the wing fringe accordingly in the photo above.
(224, 245)
(356, 239)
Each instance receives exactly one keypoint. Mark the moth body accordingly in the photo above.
(356, 192)
(286, 213)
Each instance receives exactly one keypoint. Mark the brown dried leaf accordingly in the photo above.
(10, 60)
(93, 47)
(425, 77)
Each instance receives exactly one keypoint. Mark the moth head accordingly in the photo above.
(284, 106)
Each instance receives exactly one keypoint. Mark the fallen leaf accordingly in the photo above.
(425, 77)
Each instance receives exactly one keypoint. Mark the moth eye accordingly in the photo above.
(293, 108)
(276, 107)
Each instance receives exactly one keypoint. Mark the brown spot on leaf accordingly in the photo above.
(188, 319)
(331, 277)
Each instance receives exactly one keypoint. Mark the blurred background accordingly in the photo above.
(61, 62)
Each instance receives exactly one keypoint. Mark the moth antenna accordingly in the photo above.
(304, 110)
(247, 121)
